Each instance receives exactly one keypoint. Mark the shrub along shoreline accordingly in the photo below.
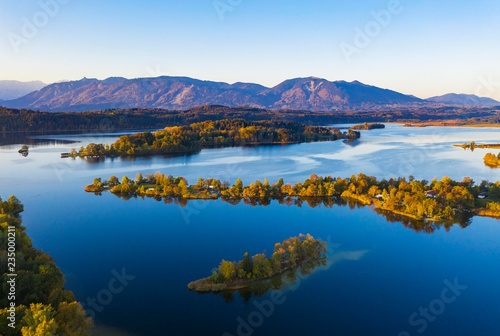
(437, 200)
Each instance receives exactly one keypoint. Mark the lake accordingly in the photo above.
(134, 258)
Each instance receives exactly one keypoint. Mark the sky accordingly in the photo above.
(419, 47)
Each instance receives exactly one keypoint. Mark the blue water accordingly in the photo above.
(379, 273)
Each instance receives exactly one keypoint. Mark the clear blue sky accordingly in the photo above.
(427, 48)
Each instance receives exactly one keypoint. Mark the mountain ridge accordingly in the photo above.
(305, 93)
(464, 99)
(12, 89)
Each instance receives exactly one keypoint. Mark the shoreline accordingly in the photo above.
(219, 281)
(364, 201)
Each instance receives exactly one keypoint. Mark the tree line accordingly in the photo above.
(29, 121)
(43, 306)
(287, 255)
(473, 145)
(213, 134)
(366, 126)
(436, 200)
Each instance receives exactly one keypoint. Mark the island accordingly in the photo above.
(450, 121)
(473, 145)
(234, 275)
(37, 303)
(190, 139)
(437, 200)
(492, 160)
(367, 126)
(24, 151)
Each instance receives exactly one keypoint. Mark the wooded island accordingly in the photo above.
(367, 126)
(473, 145)
(436, 200)
(234, 275)
(490, 159)
(213, 134)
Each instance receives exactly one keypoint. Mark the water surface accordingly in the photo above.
(379, 272)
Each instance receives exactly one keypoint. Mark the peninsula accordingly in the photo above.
(437, 200)
(212, 134)
(235, 275)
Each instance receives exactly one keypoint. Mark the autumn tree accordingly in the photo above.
(39, 321)
(227, 269)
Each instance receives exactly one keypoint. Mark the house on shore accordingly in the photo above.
(431, 194)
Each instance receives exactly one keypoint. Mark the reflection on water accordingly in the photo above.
(13, 140)
(277, 282)
(424, 226)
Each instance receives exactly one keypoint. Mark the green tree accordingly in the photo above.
(247, 264)
(239, 185)
(262, 267)
(97, 183)
(138, 178)
(72, 321)
(113, 180)
(93, 149)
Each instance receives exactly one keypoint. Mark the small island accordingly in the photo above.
(181, 140)
(473, 145)
(367, 126)
(492, 160)
(234, 275)
(24, 151)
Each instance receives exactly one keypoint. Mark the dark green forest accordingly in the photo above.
(39, 122)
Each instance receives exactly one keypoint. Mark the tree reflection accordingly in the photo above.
(277, 282)
(425, 226)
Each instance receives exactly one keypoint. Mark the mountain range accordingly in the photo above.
(464, 99)
(180, 93)
(10, 89)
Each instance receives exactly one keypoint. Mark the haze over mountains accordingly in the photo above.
(10, 89)
(464, 99)
(311, 93)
